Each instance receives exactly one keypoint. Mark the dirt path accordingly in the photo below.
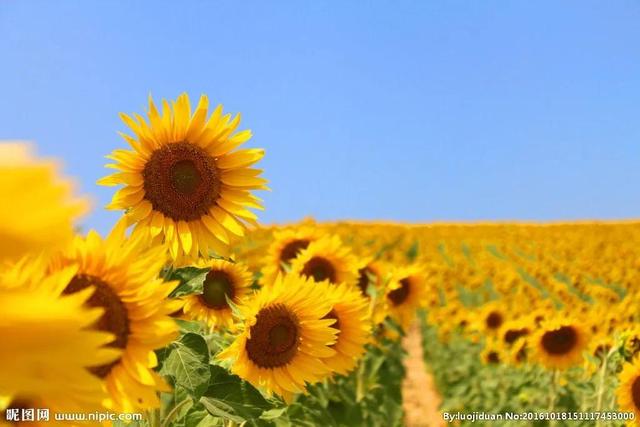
(419, 395)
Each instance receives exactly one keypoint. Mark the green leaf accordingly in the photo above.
(273, 414)
(191, 281)
(218, 408)
(412, 253)
(188, 364)
(240, 397)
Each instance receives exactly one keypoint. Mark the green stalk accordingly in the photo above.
(171, 415)
(602, 376)
(552, 396)
(360, 382)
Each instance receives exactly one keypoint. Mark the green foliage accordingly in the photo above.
(206, 394)
(191, 280)
(187, 363)
(468, 385)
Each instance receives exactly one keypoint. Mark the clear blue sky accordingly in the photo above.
(410, 111)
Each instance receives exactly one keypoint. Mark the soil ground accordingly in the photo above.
(419, 395)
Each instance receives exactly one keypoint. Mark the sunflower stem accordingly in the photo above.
(602, 374)
(171, 415)
(360, 382)
(552, 397)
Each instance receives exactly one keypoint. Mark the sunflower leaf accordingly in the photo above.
(191, 281)
(188, 364)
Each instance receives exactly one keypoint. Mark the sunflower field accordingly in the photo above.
(190, 313)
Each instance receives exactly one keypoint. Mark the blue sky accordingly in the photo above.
(408, 111)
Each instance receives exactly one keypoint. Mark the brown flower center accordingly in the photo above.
(635, 392)
(320, 269)
(513, 334)
(181, 181)
(363, 279)
(274, 337)
(493, 357)
(400, 295)
(560, 341)
(494, 320)
(292, 249)
(217, 287)
(114, 320)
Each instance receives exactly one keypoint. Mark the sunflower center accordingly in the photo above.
(217, 287)
(181, 181)
(185, 177)
(513, 334)
(292, 249)
(320, 269)
(635, 392)
(363, 279)
(114, 320)
(274, 338)
(560, 341)
(400, 295)
(494, 320)
(492, 357)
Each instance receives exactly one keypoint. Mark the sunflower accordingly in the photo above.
(327, 259)
(559, 343)
(405, 293)
(124, 275)
(47, 348)
(285, 338)
(490, 318)
(350, 312)
(513, 330)
(38, 210)
(370, 273)
(287, 245)
(184, 184)
(491, 354)
(628, 393)
(224, 280)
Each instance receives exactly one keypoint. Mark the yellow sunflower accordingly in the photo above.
(38, 210)
(370, 273)
(405, 293)
(46, 346)
(224, 280)
(350, 310)
(184, 183)
(327, 259)
(559, 343)
(124, 275)
(287, 245)
(490, 318)
(491, 354)
(628, 393)
(285, 338)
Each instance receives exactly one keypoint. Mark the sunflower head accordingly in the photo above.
(185, 184)
(371, 273)
(122, 274)
(628, 393)
(286, 246)
(47, 347)
(559, 343)
(226, 281)
(327, 259)
(405, 293)
(286, 335)
(39, 210)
